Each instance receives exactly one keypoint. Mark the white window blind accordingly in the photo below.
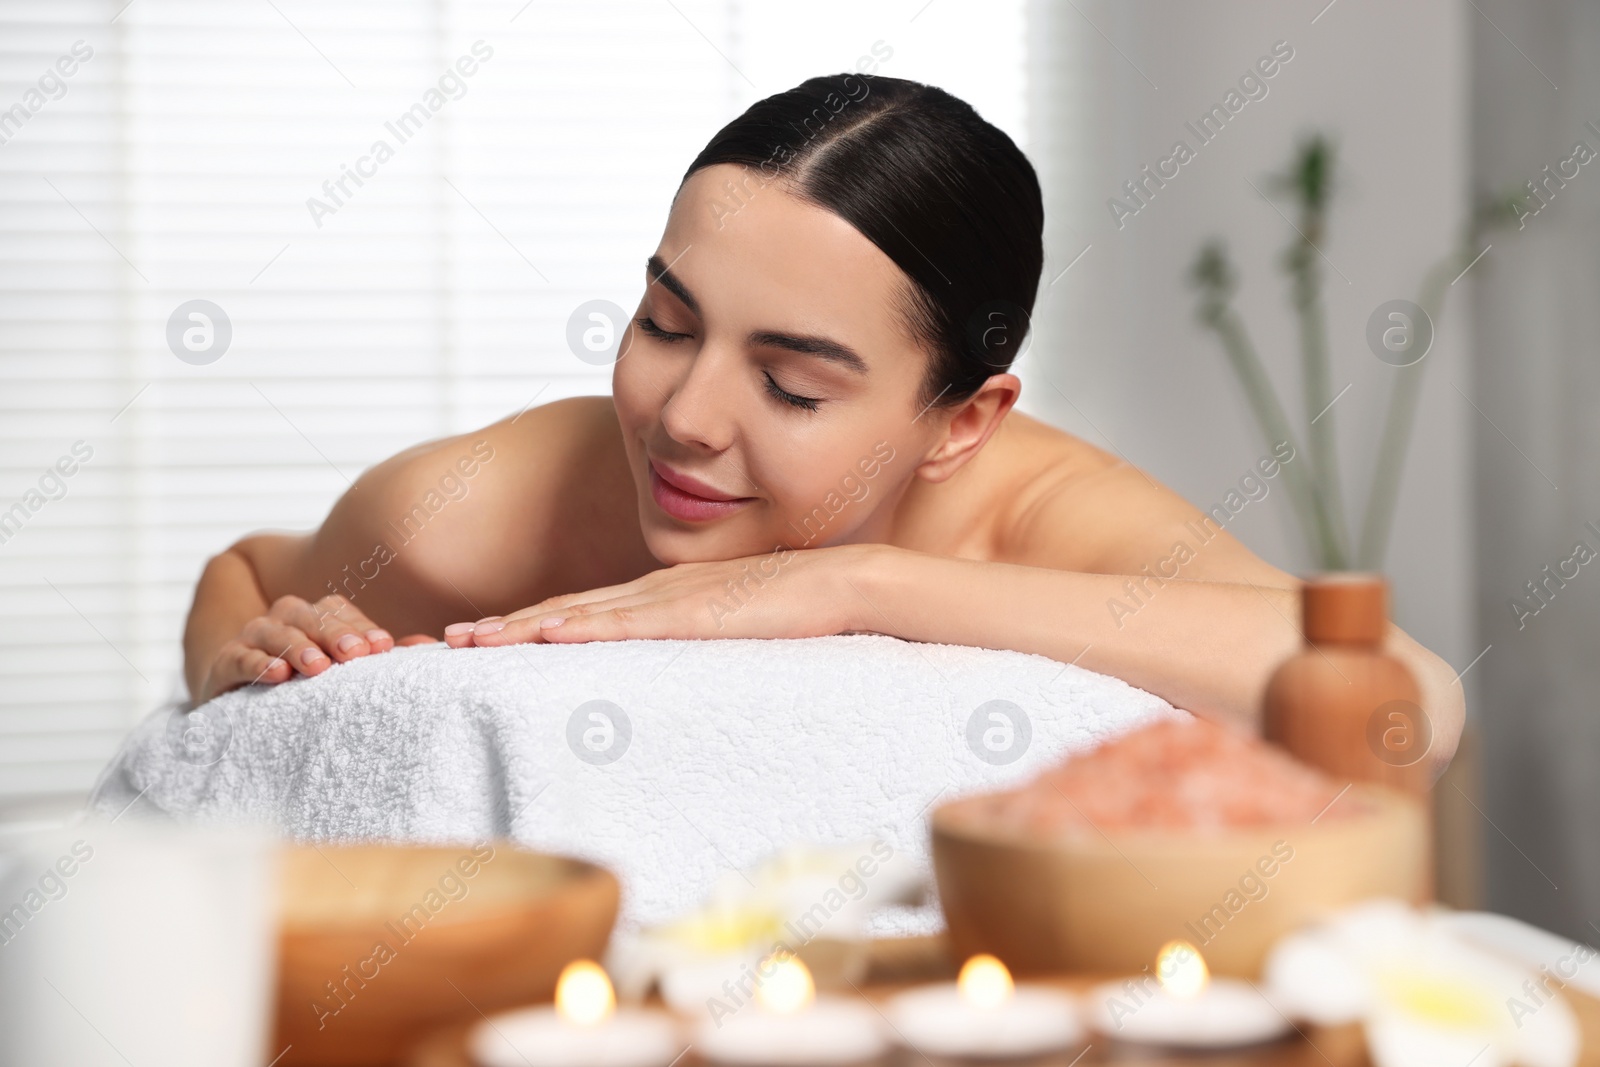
(175, 163)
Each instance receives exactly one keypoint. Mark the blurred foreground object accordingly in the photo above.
(1342, 703)
(1426, 996)
(984, 1014)
(131, 942)
(583, 1028)
(809, 900)
(380, 944)
(1184, 1008)
(789, 1025)
(1050, 880)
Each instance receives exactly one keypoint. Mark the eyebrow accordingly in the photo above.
(805, 344)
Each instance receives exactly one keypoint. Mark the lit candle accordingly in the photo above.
(984, 1014)
(1184, 1006)
(789, 1024)
(583, 1029)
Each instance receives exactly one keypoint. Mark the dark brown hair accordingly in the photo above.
(946, 195)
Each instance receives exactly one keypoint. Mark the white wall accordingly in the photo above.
(1112, 84)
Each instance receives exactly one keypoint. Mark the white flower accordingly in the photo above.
(799, 895)
(1426, 996)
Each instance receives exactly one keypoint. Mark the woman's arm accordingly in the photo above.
(237, 633)
(1105, 569)
(1204, 645)
(276, 605)
(227, 597)
(1218, 618)
(458, 526)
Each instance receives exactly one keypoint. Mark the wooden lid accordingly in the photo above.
(1345, 607)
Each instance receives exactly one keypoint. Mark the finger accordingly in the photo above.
(459, 634)
(289, 643)
(238, 664)
(416, 639)
(263, 668)
(524, 628)
(587, 596)
(613, 624)
(335, 613)
(336, 625)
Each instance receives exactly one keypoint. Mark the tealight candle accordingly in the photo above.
(983, 1013)
(1187, 1008)
(789, 1024)
(582, 1029)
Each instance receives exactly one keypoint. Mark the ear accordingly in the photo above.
(970, 426)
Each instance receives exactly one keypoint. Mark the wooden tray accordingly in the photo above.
(900, 962)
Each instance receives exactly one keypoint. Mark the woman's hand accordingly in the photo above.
(295, 637)
(784, 593)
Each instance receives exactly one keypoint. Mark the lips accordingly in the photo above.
(691, 486)
(688, 498)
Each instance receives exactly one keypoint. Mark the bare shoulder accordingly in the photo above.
(484, 521)
(1079, 507)
(561, 425)
(509, 464)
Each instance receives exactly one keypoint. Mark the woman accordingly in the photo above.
(810, 432)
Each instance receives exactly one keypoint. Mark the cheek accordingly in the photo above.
(631, 394)
(824, 497)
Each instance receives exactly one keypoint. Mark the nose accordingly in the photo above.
(699, 411)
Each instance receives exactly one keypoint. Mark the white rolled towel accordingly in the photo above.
(670, 762)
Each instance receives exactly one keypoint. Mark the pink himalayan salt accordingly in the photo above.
(1181, 774)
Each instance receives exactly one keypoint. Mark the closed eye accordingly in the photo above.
(777, 392)
(786, 397)
(648, 325)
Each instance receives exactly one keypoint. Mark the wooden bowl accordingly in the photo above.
(1107, 904)
(380, 945)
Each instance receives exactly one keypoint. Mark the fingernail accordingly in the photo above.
(492, 627)
(348, 642)
(374, 636)
(310, 657)
(551, 623)
(456, 629)
(274, 664)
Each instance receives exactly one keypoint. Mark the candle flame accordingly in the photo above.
(786, 986)
(1181, 970)
(984, 981)
(584, 994)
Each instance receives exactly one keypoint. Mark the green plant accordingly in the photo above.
(1314, 487)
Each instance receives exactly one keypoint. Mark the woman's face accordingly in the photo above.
(770, 375)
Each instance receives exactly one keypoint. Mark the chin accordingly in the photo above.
(673, 545)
